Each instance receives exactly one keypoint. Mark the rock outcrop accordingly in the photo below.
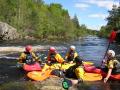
(52, 83)
(7, 32)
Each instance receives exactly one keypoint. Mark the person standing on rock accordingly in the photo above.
(113, 34)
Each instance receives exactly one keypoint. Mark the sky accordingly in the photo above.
(92, 13)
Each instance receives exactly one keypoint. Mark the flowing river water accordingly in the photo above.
(89, 48)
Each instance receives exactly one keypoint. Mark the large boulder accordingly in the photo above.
(7, 32)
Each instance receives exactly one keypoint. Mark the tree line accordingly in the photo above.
(113, 21)
(37, 19)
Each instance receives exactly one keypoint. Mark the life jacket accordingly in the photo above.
(52, 58)
(112, 36)
(29, 58)
(70, 72)
(112, 64)
(71, 56)
(55, 58)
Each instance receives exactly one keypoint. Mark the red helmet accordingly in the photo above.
(28, 48)
(52, 49)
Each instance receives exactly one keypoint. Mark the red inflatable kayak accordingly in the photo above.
(32, 67)
(93, 69)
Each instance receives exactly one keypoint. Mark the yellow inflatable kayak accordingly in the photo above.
(87, 63)
(46, 73)
(40, 76)
(64, 66)
(92, 77)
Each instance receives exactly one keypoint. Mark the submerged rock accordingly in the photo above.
(8, 32)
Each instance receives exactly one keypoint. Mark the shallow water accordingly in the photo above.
(89, 48)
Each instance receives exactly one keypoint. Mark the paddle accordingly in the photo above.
(111, 39)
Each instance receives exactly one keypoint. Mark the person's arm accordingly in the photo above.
(59, 58)
(75, 55)
(108, 75)
(35, 57)
(110, 67)
(22, 56)
(118, 31)
(117, 62)
(66, 56)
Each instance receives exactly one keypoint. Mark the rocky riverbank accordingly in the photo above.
(116, 48)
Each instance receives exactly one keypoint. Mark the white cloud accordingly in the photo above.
(97, 27)
(102, 16)
(93, 27)
(81, 5)
(103, 3)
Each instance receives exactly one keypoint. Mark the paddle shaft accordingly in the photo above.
(105, 53)
(106, 50)
(111, 39)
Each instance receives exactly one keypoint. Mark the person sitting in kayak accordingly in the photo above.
(54, 56)
(28, 56)
(71, 54)
(76, 72)
(110, 64)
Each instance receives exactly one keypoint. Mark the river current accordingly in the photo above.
(89, 48)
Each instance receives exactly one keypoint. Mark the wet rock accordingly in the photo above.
(51, 88)
(7, 32)
(52, 83)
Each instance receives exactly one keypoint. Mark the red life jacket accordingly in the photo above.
(112, 36)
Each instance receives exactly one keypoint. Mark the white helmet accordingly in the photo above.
(112, 53)
(72, 47)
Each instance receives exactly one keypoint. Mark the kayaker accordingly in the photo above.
(54, 56)
(110, 64)
(28, 56)
(71, 54)
(76, 72)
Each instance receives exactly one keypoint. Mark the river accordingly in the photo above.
(89, 48)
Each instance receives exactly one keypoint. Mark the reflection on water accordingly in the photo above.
(90, 48)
